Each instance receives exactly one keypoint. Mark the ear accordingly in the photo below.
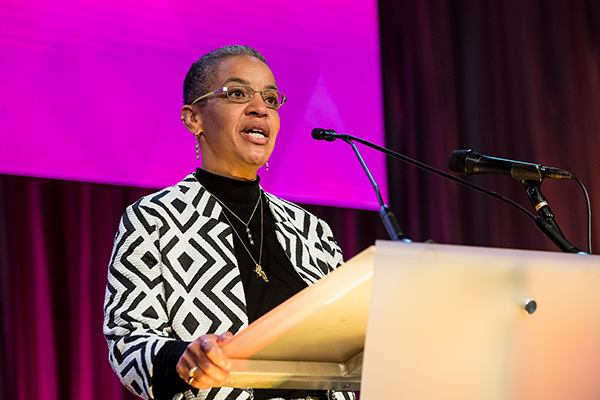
(191, 120)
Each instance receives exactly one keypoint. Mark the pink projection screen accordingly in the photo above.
(91, 90)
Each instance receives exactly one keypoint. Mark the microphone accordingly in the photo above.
(329, 135)
(469, 162)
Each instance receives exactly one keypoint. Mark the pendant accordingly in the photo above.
(259, 271)
(249, 235)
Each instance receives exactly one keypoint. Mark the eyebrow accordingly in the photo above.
(245, 82)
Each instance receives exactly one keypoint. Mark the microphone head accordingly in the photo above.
(324, 134)
(458, 162)
(317, 133)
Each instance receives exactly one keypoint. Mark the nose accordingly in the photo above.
(257, 106)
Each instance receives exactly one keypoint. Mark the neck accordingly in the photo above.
(233, 173)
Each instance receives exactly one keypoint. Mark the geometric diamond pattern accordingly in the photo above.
(150, 313)
(178, 229)
(190, 323)
(179, 205)
(185, 261)
(149, 260)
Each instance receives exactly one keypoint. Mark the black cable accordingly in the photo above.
(589, 213)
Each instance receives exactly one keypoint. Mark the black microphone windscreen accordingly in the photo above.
(317, 133)
(457, 161)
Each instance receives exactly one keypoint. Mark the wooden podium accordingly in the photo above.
(435, 322)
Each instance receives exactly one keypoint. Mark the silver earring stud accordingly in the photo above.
(267, 165)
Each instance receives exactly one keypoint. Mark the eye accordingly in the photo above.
(271, 97)
(238, 93)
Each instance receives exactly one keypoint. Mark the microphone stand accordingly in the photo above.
(545, 220)
(387, 216)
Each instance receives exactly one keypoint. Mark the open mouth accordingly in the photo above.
(256, 133)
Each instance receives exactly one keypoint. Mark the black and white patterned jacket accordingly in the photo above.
(173, 275)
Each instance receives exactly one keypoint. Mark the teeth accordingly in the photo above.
(256, 133)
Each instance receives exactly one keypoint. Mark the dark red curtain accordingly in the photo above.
(56, 242)
(510, 79)
(56, 238)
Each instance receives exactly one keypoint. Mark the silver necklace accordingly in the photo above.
(258, 268)
(245, 223)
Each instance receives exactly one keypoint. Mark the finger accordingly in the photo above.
(201, 380)
(196, 350)
(201, 374)
(190, 358)
(210, 362)
(192, 371)
(224, 336)
(204, 382)
(210, 373)
(215, 354)
(184, 366)
(206, 354)
(192, 374)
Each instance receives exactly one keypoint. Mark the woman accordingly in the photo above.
(199, 261)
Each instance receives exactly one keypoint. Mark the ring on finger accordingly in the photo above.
(192, 371)
(189, 381)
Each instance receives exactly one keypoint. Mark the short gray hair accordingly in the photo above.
(202, 72)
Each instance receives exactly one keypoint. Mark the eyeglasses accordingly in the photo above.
(244, 93)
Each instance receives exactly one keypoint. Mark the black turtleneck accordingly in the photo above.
(242, 199)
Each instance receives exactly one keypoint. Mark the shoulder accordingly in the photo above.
(178, 192)
(181, 203)
(185, 197)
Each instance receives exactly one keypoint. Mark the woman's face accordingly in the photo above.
(238, 138)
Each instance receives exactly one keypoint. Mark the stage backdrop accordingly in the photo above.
(91, 91)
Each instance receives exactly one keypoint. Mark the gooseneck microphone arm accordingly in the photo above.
(387, 216)
(367, 171)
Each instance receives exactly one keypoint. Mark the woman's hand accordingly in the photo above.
(203, 365)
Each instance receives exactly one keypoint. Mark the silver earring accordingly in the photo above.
(197, 147)
(267, 165)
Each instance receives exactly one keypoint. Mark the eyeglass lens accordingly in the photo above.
(243, 93)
